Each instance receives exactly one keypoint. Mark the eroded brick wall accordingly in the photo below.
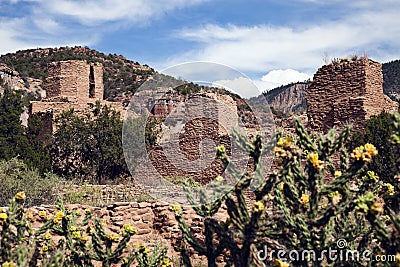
(346, 92)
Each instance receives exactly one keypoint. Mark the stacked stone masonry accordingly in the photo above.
(72, 84)
(346, 92)
(154, 221)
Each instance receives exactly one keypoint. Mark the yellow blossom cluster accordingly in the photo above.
(364, 153)
(376, 208)
(304, 199)
(314, 160)
(129, 229)
(282, 145)
(258, 206)
(9, 264)
(166, 263)
(58, 217)
(177, 209)
(389, 189)
(42, 214)
(3, 217)
(279, 263)
(113, 237)
(337, 173)
(20, 196)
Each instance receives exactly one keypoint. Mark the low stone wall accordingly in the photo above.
(155, 222)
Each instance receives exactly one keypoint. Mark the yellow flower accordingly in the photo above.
(258, 206)
(29, 216)
(371, 149)
(20, 196)
(364, 153)
(177, 209)
(9, 264)
(84, 238)
(281, 185)
(366, 157)
(338, 173)
(279, 263)
(43, 214)
(76, 235)
(166, 263)
(219, 178)
(376, 208)
(279, 152)
(60, 214)
(43, 249)
(284, 142)
(3, 217)
(313, 158)
(220, 149)
(78, 213)
(73, 229)
(58, 217)
(113, 237)
(88, 211)
(129, 229)
(47, 236)
(304, 199)
(389, 189)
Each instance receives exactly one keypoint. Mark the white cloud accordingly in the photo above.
(92, 12)
(240, 85)
(372, 29)
(282, 77)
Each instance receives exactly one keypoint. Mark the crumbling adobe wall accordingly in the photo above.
(346, 92)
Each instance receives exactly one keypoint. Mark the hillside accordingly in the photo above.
(391, 79)
(287, 98)
(121, 76)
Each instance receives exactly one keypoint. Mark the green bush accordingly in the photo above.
(15, 176)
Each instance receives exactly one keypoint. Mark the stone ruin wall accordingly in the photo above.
(346, 92)
(155, 223)
(68, 86)
(206, 116)
(69, 80)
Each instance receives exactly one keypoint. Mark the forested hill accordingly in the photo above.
(120, 74)
(391, 79)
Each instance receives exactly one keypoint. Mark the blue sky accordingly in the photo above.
(271, 41)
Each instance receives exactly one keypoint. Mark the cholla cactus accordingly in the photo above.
(81, 242)
(321, 193)
(237, 234)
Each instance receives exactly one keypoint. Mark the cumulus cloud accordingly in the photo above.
(74, 22)
(367, 29)
(93, 12)
(282, 77)
(242, 86)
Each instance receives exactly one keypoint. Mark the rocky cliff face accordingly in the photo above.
(289, 99)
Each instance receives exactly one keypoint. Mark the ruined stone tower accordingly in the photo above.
(74, 81)
(71, 84)
(346, 92)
